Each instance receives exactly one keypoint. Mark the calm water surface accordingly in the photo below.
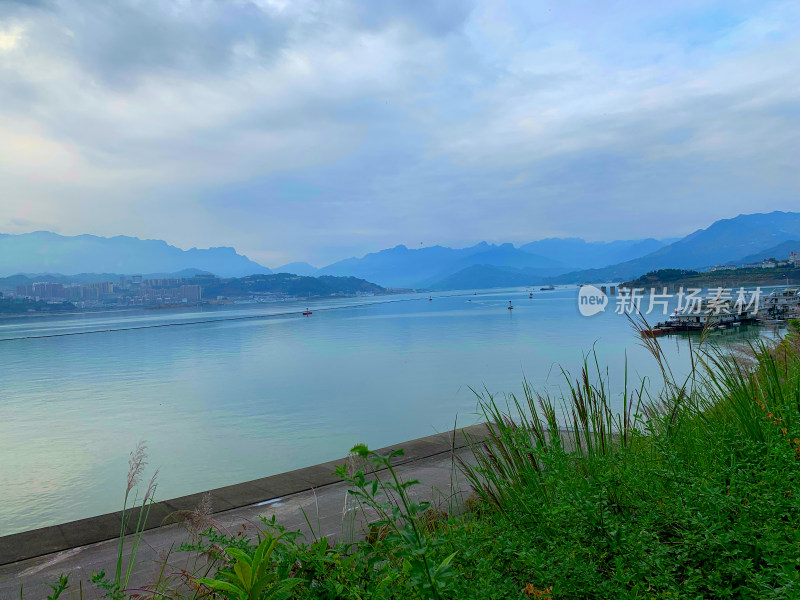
(228, 401)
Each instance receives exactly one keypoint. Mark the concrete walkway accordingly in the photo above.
(314, 490)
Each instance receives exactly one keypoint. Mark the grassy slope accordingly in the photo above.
(704, 506)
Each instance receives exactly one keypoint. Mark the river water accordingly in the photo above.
(228, 394)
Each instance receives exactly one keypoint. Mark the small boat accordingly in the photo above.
(530, 295)
(307, 313)
(656, 331)
(430, 299)
(510, 306)
(547, 288)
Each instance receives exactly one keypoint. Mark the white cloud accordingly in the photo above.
(293, 129)
(10, 38)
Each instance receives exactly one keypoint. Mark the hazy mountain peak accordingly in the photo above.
(45, 251)
(724, 241)
(422, 266)
(297, 268)
(778, 252)
(580, 254)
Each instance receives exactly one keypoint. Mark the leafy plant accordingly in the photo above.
(252, 577)
(400, 519)
(59, 587)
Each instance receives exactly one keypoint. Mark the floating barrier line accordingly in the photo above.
(220, 320)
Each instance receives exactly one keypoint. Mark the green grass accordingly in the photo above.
(691, 493)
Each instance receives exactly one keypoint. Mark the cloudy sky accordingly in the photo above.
(311, 130)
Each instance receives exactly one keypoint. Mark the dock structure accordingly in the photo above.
(778, 307)
(782, 304)
(702, 317)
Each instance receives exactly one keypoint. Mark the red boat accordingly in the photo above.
(657, 331)
(307, 313)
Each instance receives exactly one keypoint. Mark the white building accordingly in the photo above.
(764, 264)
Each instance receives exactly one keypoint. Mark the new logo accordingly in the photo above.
(591, 300)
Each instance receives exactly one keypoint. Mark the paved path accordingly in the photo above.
(430, 460)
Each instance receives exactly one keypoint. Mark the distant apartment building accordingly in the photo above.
(42, 291)
(764, 264)
(100, 288)
(89, 291)
(24, 291)
(48, 290)
(794, 259)
(164, 283)
(191, 293)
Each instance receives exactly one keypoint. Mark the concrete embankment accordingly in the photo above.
(34, 558)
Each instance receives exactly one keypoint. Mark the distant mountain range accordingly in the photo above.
(425, 267)
(746, 238)
(779, 252)
(45, 252)
(580, 254)
(723, 242)
(486, 265)
(572, 260)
